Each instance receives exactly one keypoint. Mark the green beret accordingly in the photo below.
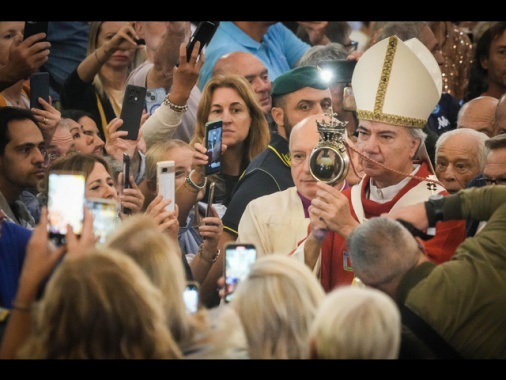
(295, 79)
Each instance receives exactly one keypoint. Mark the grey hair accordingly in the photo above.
(496, 142)
(479, 138)
(380, 250)
(419, 134)
(318, 53)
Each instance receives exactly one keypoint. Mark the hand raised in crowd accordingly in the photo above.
(200, 157)
(48, 119)
(167, 220)
(124, 39)
(41, 257)
(115, 145)
(25, 57)
(131, 198)
(78, 245)
(211, 229)
(187, 74)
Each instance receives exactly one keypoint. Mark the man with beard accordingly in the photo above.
(22, 159)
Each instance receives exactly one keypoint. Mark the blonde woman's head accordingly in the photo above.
(100, 305)
(277, 302)
(160, 257)
(356, 323)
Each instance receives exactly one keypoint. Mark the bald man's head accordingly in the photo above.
(479, 114)
(251, 68)
(500, 116)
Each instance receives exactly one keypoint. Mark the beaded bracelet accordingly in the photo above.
(210, 261)
(193, 184)
(173, 106)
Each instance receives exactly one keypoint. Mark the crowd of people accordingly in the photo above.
(398, 255)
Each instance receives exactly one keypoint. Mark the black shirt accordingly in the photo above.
(267, 173)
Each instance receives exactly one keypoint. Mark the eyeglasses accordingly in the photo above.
(490, 181)
(48, 156)
(352, 46)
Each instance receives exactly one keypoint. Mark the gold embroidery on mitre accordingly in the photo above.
(402, 121)
(385, 75)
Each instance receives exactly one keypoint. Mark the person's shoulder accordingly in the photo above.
(277, 198)
(226, 32)
(267, 163)
(16, 231)
(279, 28)
(277, 152)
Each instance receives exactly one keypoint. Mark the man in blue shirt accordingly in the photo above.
(13, 241)
(276, 45)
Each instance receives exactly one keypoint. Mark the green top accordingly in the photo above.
(464, 299)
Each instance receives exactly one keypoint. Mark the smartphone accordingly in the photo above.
(35, 27)
(203, 33)
(126, 178)
(154, 98)
(191, 297)
(210, 198)
(131, 111)
(105, 216)
(65, 204)
(338, 70)
(213, 136)
(165, 177)
(39, 88)
(238, 261)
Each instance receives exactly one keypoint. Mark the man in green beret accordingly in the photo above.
(296, 94)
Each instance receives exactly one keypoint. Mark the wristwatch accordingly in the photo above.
(434, 210)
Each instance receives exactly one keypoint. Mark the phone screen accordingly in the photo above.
(65, 204)
(105, 216)
(191, 297)
(214, 140)
(238, 261)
